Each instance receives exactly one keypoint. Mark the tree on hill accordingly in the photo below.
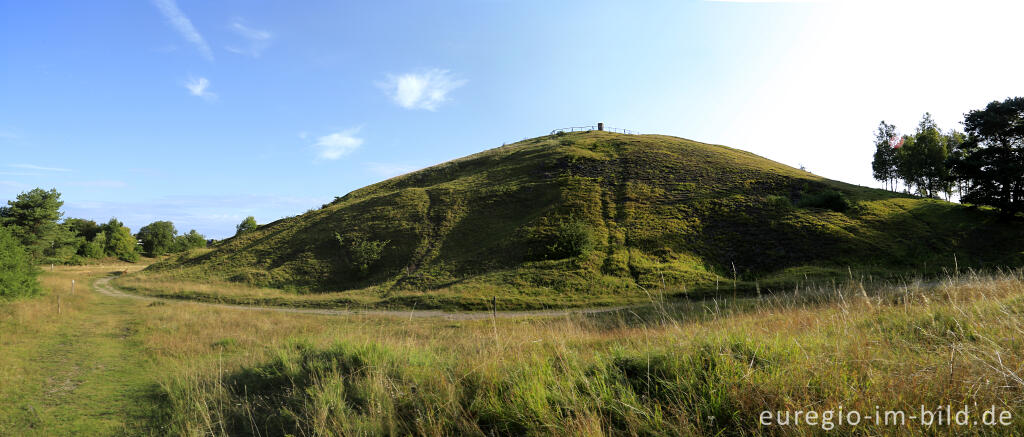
(119, 241)
(189, 241)
(884, 166)
(990, 162)
(17, 271)
(247, 225)
(158, 238)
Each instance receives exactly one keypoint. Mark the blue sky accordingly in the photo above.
(206, 112)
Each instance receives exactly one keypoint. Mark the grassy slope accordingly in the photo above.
(665, 212)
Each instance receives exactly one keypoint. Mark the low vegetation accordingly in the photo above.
(697, 367)
(17, 273)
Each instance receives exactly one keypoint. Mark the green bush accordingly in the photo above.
(573, 237)
(17, 273)
(779, 202)
(363, 254)
(826, 199)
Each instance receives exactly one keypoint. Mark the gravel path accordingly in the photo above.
(104, 286)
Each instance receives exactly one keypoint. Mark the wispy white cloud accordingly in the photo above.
(13, 184)
(256, 40)
(423, 90)
(184, 26)
(387, 170)
(18, 173)
(197, 86)
(37, 167)
(8, 135)
(338, 144)
(100, 184)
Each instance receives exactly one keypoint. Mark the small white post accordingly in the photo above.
(72, 286)
(51, 267)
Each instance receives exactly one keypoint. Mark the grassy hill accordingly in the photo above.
(587, 217)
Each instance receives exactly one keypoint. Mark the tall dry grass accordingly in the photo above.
(693, 368)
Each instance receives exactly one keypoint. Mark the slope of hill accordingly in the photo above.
(573, 217)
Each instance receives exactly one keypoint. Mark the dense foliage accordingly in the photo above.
(17, 272)
(990, 163)
(33, 219)
(984, 165)
(120, 242)
(247, 225)
(362, 254)
(157, 238)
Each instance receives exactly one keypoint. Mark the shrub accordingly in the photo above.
(826, 199)
(573, 237)
(17, 273)
(363, 254)
(779, 202)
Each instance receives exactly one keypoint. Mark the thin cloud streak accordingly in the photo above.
(38, 167)
(184, 26)
(100, 184)
(258, 40)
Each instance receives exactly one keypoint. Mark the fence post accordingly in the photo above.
(72, 286)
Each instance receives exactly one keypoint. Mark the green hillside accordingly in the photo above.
(594, 216)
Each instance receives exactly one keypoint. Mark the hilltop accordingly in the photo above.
(599, 217)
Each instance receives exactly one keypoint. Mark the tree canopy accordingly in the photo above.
(247, 225)
(189, 241)
(157, 238)
(119, 241)
(884, 167)
(990, 162)
(32, 219)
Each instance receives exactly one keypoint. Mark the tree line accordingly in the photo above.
(984, 164)
(32, 232)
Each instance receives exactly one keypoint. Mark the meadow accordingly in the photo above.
(106, 365)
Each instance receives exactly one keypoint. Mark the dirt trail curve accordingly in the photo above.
(104, 286)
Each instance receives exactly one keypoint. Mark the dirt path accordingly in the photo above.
(80, 372)
(104, 286)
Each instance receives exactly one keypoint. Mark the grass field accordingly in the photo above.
(123, 366)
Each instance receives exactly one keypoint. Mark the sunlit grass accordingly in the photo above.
(662, 371)
(692, 367)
